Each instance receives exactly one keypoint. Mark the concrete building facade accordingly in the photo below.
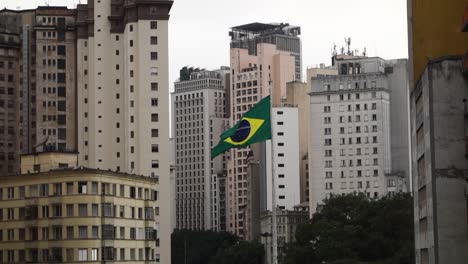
(198, 119)
(122, 69)
(439, 136)
(71, 214)
(261, 55)
(38, 82)
(354, 118)
(439, 85)
(287, 223)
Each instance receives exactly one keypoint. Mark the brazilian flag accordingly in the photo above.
(254, 126)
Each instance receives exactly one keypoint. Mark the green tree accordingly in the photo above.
(353, 229)
(198, 247)
(245, 252)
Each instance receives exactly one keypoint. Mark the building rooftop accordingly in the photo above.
(259, 28)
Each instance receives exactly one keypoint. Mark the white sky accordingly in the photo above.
(199, 28)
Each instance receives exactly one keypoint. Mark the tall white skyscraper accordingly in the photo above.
(199, 116)
(359, 129)
(122, 57)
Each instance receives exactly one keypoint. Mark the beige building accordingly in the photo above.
(37, 83)
(358, 137)
(122, 58)
(71, 214)
(261, 55)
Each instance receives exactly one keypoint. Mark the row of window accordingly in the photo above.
(56, 232)
(329, 174)
(359, 185)
(349, 86)
(350, 163)
(342, 119)
(10, 78)
(72, 188)
(78, 254)
(10, 65)
(357, 152)
(328, 130)
(359, 140)
(56, 210)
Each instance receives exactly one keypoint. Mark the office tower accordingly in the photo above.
(359, 129)
(54, 212)
(438, 68)
(37, 83)
(198, 119)
(262, 56)
(122, 65)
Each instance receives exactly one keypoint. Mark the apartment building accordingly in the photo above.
(64, 213)
(198, 119)
(359, 130)
(263, 57)
(122, 69)
(439, 129)
(37, 82)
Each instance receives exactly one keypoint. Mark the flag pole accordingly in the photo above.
(274, 232)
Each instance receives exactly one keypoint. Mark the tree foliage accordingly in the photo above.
(353, 229)
(203, 247)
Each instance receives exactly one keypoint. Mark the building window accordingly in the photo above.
(154, 55)
(154, 40)
(94, 254)
(82, 187)
(154, 101)
(155, 132)
(82, 232)
(153, 24)
(83, 210)
(154, 86)
(82, 254)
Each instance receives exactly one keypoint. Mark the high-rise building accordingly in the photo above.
(297, 95)
(198, 119)
(359, 129)
(123, 86)
(263, 57)
(57, 212)
(438, 68)
(37, 83)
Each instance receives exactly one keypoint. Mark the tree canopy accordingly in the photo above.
(354, 229)
(203, 247)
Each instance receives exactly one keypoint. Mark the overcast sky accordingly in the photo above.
(198, 34)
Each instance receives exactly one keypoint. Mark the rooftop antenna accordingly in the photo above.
(348, 44)
(334, 52)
